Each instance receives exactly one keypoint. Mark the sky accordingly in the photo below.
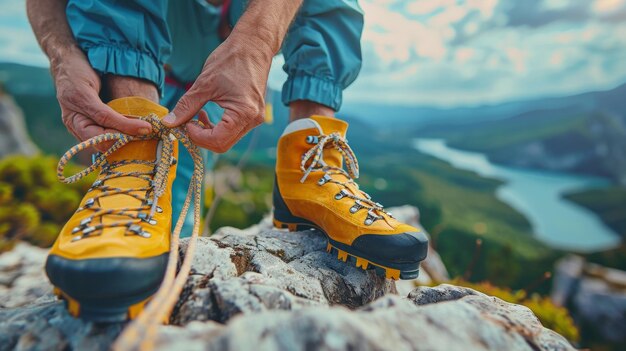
(452, 53)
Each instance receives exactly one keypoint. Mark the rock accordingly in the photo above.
(471, 321)
(271, 290)
(425, 296)
(22, 279)
(237, 272)
(14, 138)
(595, 295)
(47, 326)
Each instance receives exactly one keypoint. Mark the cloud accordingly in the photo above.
(452, 52)
(470, 52)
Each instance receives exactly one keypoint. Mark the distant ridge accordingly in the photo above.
(610, 100)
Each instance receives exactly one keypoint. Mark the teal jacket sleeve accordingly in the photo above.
(127, 38)
(322, 51)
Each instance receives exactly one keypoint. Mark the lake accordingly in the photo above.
(537, 195)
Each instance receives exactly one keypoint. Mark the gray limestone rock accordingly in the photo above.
(274, 290)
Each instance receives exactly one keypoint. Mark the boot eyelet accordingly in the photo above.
(136, 229)
(88, 230)
(354, 209)
(323, 180)
(340, 195)
(312, 139)
(95, 157)
(144, 234)
(369, 221)
(89, 202)
(146, 218)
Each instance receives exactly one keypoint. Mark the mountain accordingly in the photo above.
(419, 116)
(586, 134)
(20, 79)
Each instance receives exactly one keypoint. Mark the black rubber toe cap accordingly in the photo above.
(399, 248)
(107, 278)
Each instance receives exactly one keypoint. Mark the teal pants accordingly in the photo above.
(138, 38)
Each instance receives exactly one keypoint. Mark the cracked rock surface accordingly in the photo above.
(264, 289)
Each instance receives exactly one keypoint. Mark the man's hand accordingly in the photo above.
(234, 77)
(83, 112)
(78, 85)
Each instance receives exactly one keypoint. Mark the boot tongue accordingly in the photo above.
(330, 125)
(135, 107)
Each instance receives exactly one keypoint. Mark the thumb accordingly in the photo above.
(187, 107)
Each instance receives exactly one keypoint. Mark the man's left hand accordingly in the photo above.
(234, 76)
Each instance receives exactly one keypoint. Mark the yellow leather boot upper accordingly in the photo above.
(120, 241)
(307, 198)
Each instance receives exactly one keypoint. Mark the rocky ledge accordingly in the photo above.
(266, 289)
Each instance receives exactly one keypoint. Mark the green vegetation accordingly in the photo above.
(506, 133)
(551, 316)
(33, 204)
(246, 198)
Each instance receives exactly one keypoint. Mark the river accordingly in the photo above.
(538, 195)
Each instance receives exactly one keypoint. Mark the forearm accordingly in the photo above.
(49, 23)
(264, 24)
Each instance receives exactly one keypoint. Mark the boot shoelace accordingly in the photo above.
(314, 157)
(156, 180)
(139, 334)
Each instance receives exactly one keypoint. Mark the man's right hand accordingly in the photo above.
(83, 112)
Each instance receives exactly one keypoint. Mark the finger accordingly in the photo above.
(68, 121)
(187, 107)
(203, 117)
(70, 128)
(106, 117)
(88, 129)
(219, 138)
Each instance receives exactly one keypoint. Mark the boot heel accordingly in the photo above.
(283, 218)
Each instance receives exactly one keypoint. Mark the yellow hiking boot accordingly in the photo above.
(110, 257)
(313, 190)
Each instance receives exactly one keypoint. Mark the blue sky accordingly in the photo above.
(454, 52)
